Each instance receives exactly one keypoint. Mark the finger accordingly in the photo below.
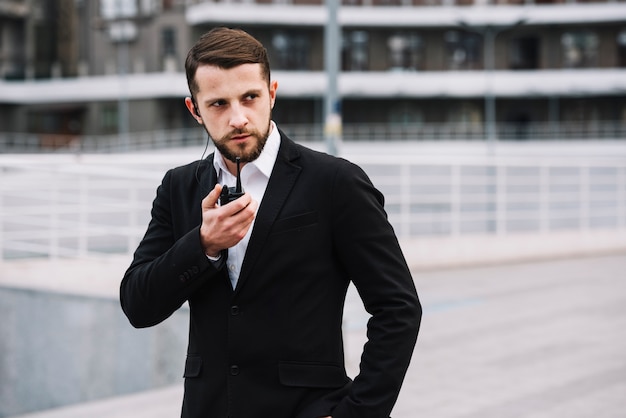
(253, 206)
(244, 217)
(238, 204)
(210, 201)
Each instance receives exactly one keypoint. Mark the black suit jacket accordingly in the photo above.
(273, 346)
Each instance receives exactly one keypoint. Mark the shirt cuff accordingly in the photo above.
(214, 259)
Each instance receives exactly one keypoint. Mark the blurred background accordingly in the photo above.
(495, 129)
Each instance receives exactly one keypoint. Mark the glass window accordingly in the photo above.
(524, 53)
(355, 51)
(621, 48)
(405, 113)
(148, 7)
(291, 50)
(465, 112)
(115, 9)
(108, 121)
(463, 50)
(580, 49)
(168, 36)
(405, 51)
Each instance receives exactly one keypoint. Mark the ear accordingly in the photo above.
(273, 88)
(193, 109)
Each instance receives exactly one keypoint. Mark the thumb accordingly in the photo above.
(210, 201)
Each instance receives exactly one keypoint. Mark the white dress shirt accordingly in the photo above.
(254, 178)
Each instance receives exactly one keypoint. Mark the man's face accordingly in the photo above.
(235, 106)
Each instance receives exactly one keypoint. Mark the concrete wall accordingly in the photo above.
(60, 348)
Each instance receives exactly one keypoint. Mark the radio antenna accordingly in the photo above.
(238, 184)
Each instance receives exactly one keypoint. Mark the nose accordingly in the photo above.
(238, 118)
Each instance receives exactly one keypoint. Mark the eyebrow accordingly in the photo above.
(210, 100)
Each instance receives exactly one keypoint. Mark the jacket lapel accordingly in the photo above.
(282, 180)
(207, 176)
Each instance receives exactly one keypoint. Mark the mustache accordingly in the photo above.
(228, 136)
(237, 132)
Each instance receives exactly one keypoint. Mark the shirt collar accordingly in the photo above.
(264, 163)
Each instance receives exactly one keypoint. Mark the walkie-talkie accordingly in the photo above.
(229, 194)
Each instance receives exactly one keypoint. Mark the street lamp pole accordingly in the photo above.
(332, 48)
(122, 31)
(123, 106)
(489, 34)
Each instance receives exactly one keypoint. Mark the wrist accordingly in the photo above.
(209, 249)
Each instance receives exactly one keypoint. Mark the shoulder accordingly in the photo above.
(338, 174)
(192, 166)
(186, 180)
(190, 170)
(308, 157)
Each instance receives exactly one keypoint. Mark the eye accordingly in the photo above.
(252, 96)
(218, 103)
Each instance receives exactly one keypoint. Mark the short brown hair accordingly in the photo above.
(225, 48)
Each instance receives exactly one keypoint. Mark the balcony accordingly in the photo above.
(448, 84)
(368, 14)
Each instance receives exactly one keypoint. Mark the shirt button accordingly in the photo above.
(234, 310)
(234, 370)
(231, 267)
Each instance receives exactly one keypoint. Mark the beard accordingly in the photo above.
(231, 152)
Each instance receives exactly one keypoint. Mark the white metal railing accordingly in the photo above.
(502, 197)
(69, 206)
(366, 132)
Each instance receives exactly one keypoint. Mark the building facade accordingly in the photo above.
(410, 69)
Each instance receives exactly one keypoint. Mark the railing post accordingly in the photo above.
(455, 200)
(132, 219)
(584, 197)
(501, 198)
(53, 215)
(83, 216)
(544, 198)
(405, 181)
(621, 197)
(2, 216)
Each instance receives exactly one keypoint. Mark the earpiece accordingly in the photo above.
(197, 112)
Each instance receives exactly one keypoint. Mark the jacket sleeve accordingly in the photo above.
(370, 253)
(168, 265)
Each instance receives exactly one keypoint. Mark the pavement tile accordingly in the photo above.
(534, 340)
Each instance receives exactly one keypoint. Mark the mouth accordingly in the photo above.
(240, 137)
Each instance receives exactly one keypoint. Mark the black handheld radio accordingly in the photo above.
(229, 194)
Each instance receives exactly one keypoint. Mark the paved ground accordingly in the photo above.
(533, 340)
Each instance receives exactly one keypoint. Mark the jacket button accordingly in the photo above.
(234, 310)
(182, 278)
(234, 370)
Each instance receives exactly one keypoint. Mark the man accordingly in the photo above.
(266, 275)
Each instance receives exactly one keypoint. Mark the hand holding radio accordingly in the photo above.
(226, 224)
